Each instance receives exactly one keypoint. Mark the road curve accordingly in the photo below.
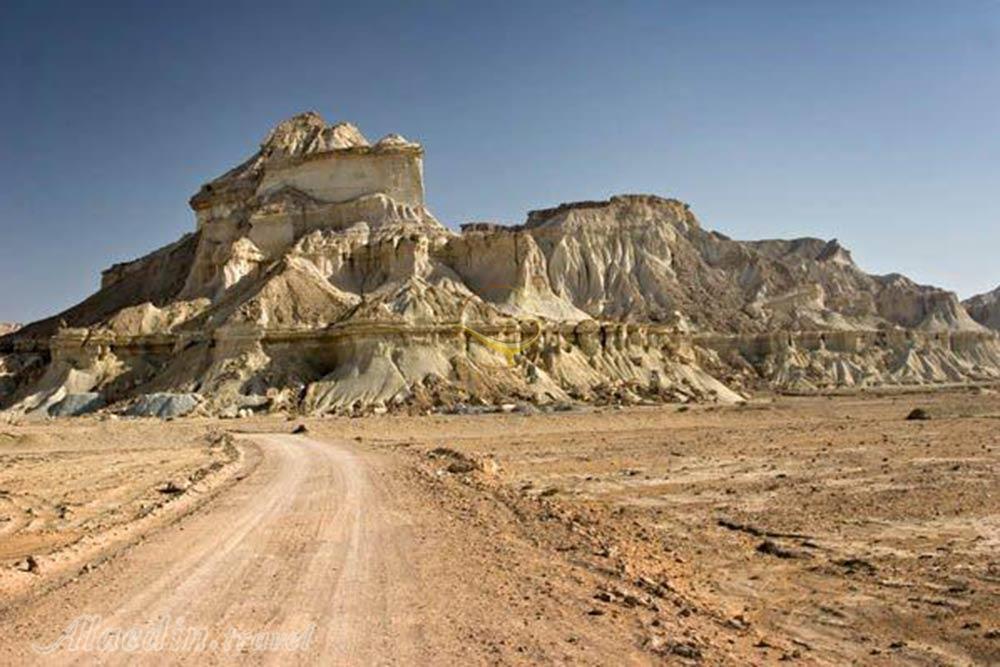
(305, 561)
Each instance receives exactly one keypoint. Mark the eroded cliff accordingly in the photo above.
(318, 280)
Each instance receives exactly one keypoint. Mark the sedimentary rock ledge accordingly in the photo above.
(317, 279)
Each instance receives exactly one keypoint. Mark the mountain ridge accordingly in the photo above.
(318, 279)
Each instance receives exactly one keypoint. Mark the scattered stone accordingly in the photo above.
(490, 466)
(685, 650)
(171, 488)
(772, 548)
(738, 622)
(459, 463)
(682, 649)
(74, 405)
(300, 429)
(461, 466)
(853, 565)
(27, 564)
(757, 531)
(918, 414)
(164, 405)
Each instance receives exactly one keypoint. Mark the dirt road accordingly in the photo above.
(809, 530)
(305, 557)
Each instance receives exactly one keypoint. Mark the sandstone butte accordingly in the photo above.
(317, 281)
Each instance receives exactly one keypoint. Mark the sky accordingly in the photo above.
(877, 123)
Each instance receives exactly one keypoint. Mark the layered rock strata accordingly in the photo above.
(317, 280)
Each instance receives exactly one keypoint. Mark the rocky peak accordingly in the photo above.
(308, 133)
(985, 308)
(834, 252)
(302, 137)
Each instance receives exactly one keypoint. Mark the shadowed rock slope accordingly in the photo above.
(985, 308)
(318, 280)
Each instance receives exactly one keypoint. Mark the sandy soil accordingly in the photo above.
(811, 530)
(74, 493)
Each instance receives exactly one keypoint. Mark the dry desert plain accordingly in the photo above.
(813, 530)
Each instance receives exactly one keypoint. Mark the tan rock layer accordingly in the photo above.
(316, 281)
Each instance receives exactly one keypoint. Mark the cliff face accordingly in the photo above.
(642, 258)
(318, 280)
(985, 308)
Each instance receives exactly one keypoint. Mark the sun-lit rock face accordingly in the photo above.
(330, 163)
(306, 176)
(318, 280)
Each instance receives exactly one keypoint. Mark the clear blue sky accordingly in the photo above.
(874, 122)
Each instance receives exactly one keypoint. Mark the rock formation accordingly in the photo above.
(985, 308)
(317, 280)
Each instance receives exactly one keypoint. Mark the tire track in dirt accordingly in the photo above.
(308, 540)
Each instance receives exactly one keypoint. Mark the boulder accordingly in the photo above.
(163, 405)
(75, 405)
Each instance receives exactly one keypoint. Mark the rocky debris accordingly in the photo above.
(457, 462)
(163, 405)
(74, 405)
(244, 406)
(772, 548)
(856, 565)
(220, 439)
(918, 414)
(618, 595)
(300, 429)
(27, 564)
(325, 291)
(677, 649)
(172, 488)
(461, 466)
(757, 531)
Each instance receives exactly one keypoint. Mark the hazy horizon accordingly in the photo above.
(873, 125)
